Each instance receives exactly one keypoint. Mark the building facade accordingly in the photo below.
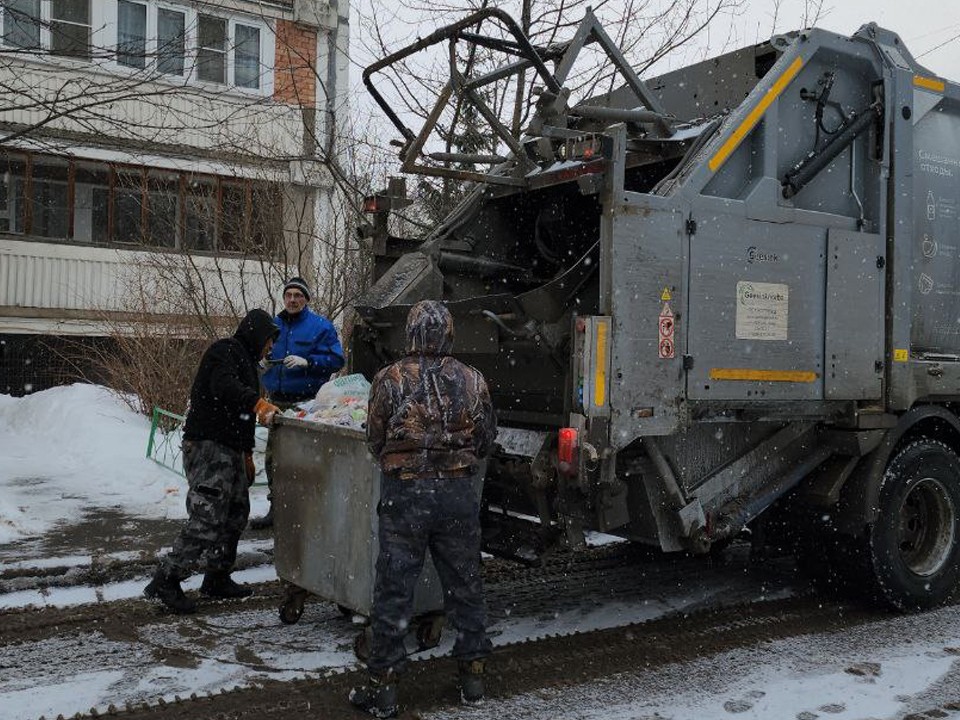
(157, 155)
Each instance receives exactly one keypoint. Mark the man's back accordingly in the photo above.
(430, 415)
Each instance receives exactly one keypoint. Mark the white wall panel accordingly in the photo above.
(150, 112)
(50, 277)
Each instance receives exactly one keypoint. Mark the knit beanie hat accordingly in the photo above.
(300, 284)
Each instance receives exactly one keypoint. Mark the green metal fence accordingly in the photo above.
(166, 437)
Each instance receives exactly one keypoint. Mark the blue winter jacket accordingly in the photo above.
(312, 337)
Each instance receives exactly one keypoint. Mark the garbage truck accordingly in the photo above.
(721, 300)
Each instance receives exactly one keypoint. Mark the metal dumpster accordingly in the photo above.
(326, 487)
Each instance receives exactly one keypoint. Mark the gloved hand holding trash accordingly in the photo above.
(265, 412)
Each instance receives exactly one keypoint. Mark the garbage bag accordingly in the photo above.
(341, 401)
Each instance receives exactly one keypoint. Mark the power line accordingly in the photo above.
(937, 47)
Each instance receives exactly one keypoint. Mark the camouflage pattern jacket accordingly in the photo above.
(430, 415)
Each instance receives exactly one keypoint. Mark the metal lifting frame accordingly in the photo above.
(466, 88)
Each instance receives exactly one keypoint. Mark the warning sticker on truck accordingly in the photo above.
(762, 311)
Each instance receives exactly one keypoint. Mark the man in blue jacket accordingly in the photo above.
(307, 352)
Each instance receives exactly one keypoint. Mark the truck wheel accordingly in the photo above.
(914, 546)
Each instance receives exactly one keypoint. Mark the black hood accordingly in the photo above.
(254, 330)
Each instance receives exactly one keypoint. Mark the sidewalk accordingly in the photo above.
(111, 532)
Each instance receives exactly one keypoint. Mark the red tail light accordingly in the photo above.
(374, 204)
(567, 450)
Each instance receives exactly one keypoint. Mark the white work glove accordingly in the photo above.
(295, 361)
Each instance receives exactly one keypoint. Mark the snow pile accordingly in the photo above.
(72, 449)
(342, 401)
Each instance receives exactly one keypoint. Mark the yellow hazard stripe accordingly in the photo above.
(929, 83)
(600, 372)
(726, 150)
(795, 376)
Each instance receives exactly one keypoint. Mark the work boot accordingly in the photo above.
(219, 584)
(262, 523)
(378, 697)
(168, 591)
(471, 681)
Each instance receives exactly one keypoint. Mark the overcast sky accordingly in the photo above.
(930, 28)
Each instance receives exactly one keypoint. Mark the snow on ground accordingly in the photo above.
(890, 669)
(74, 449)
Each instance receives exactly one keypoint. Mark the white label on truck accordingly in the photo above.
(762, 310)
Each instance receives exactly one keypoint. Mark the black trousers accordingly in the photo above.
(444, 516)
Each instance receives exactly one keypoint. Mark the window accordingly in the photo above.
(266, 218)
(13, 167)
(160, 37)
(70, 28)
(21, 23)
(131, 34)
(201, 222)
(87, 201)
(91, 202)
(128, 208)
(171, 45)
(163, 209)
(246, 57)
(234, 225)
(49, 190)
(212, 49)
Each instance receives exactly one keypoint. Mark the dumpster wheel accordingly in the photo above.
(361, 644)
(292, 608)
(429, 631)
(345, 611)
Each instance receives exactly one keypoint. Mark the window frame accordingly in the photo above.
(225, 52)
(38, 21)
(149, 57)
(153, 42)
(46, 25)
(118, 179)
(234, 24)
(104, 36)
(267, 49)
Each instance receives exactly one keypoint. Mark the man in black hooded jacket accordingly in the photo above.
(218, 439)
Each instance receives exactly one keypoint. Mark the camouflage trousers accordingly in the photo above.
(218, 505)
(444, 516)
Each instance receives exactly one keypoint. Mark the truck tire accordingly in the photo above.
(914, 546)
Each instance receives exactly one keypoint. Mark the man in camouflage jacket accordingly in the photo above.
(430, 423)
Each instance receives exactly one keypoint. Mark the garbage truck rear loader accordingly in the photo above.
(728, 294)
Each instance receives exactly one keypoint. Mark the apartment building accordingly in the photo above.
(157, 149)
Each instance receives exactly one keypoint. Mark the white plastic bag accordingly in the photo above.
(341, 401)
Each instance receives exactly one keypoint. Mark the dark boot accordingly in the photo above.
(220, 585)
(262, 523)
(378, 697)
(471, 681)
(168, 591)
